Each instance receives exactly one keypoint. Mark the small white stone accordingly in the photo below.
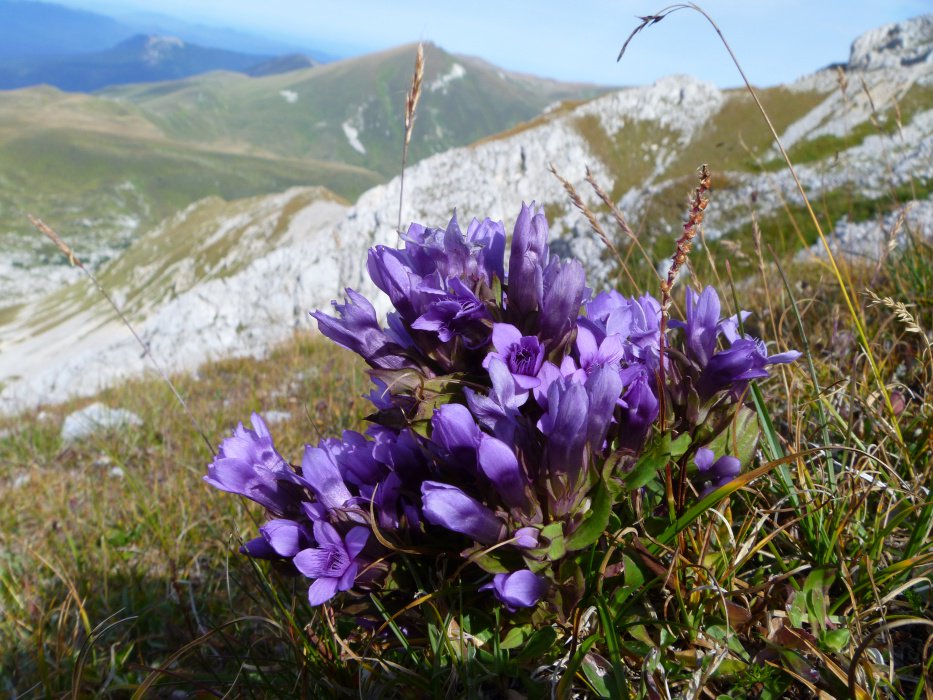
(94, 419)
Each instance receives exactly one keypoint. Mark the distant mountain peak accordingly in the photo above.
(159, 48)
(894, 45)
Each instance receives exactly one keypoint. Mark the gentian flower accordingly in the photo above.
(640, 407)
(459, 313)
(324, 478)
(607, 353)
(716, 473)
(702, 325)
(528, 257)
(564, 285)
(500, 465)
(333, 563)
(520, 589)
(249, 465)
(456, 433)
(449, 507)
(523, 355)
(280, 537)
(746, 359)
(499, 410)
(358, 330)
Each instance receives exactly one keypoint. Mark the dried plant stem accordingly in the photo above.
(73, 259)
(843, 286)
(411, 105)
(698, 204)
(578, 202)
(619, 218)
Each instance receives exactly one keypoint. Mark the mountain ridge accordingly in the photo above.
(855, 143)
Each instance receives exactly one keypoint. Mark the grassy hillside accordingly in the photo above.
(101, 172)
(103, 168)
(303, 113)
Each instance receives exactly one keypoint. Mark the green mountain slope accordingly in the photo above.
(102, 168)
(350, 111)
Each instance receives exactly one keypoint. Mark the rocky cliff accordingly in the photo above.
(226, 278)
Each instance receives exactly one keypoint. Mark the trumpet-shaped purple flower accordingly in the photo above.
(640, 407)
(358, 330)
(702, 325)
(333, 563)
(450, 508)
(459, 313)
(324, 478)
(500, 465)
(280, 537)
(520, 589)
(498, 411)
(564, 289)
(528, 257)
(456, 433)
(488, 240)
(248, 464)
(716, 473)
(522, 355)
(746, 359)
(608, 353)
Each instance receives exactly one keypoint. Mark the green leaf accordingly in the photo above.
(594, 524)
(739, 438)
(596, 676)
(539, 644)
(655, 458)
(836, 640)
(515, 637)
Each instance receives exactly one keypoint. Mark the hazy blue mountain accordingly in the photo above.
(139, 59)
(281, 64)
(37, 29)
(218, 37)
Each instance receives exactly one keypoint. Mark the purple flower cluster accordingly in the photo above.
(499, 402)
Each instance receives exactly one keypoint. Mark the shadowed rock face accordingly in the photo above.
(899, 44)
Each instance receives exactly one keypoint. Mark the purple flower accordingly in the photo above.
(564, 424)
(333, 563)
(564, 288)
(488, 239)
(640, 407)
(459, 313)
(520, 589)
(324, 478)
(702, 325)
(358, 330)
(603, 387)
(456, 433)
(353, 456)
(716, 473)
(449, 507)
(550, 373)
(526, 537)
(529, 255)
(522, 355)
(279, 538)
(388, 269)
(746, 359)
(498, 411)
(248, 464)
(607, 353)
(500, 465)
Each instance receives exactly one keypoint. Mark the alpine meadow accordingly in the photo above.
(404, 375)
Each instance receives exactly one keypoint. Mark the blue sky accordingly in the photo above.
(776, 40)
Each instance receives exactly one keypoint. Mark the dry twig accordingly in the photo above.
(73, 259)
